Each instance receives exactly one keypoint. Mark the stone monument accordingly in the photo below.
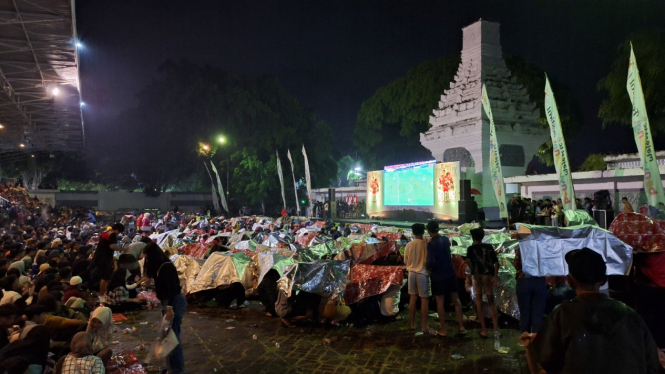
(459, 128)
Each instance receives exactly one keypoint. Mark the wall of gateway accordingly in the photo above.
(111, 201)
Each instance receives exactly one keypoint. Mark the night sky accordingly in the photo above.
(333, 55)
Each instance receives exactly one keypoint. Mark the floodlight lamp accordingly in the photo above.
(79, 45)
(358, 168)
(22, 145)
(82, 104)
(221, 139)
(2, 126)
(205, 147)
(55, 91)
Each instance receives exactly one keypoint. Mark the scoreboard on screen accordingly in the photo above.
(423, 186)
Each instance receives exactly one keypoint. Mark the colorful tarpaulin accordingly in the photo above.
(643, 233)
(642, 132)
(195, 250)
(371, 280)
(544, 249)
(559, 150)
(271, 260)
(222, 269)
(326, 278)
(495, 159)
(188, 268)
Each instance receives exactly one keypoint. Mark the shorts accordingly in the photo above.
(482, 284)
(419, 284)
(444, 287)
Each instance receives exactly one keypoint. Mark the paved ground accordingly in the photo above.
(222, 341)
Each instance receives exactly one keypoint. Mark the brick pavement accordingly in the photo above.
(221, 341)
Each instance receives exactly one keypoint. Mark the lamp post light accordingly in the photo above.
(222, 140)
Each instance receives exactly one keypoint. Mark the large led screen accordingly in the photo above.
(409, 184)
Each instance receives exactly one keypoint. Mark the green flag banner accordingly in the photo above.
(653, 187)
(495, 160)
(559, 149)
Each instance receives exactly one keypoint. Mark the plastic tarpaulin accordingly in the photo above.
(317, 252)
(196, 250)
(370, 280)
(361, 252)
(652, 266)
(222, 269)
(326, 278)
(544, 248)
(579, 217)
(188, 268)
(271, 260)
(496, 239)
(641, 232)
(505, 295)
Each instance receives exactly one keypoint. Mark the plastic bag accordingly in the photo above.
(162, 347)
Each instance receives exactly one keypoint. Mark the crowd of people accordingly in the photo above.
(63, 274)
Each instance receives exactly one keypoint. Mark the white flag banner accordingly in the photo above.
(307, 176)
(293, 173)
(220, 188)
(215, 201)
(281, 178)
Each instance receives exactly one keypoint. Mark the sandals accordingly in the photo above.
(483, 336)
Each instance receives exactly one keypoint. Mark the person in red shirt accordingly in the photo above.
(284, 213)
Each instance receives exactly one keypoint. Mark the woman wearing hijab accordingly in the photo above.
(100, 329)
(157, 266)
(81, 359)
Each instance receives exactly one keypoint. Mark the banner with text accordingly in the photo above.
(495, 160)
(559, 151)
(653, 186)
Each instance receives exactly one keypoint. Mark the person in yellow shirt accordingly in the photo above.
(415, 259)
(627, 208)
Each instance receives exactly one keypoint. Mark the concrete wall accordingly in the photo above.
(111, 201)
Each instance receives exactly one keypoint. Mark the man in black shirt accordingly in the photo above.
(591, 333)
(484, 266)
(102, 260)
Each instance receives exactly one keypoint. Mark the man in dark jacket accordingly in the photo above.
(591, 333)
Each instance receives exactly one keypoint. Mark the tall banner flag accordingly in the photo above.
(495, 160)
(295, 187)
(307, 176)
(220, 188)
(559, 149)
(653, 187)
(281, 178)
(215, 201)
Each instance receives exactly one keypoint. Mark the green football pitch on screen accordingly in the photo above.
(414, 186)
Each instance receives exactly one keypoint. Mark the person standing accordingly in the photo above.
(102, 260)
(443, 277)
(484, 266)
(531, 297)
(415, 257)
(591, 333)
(157, 266)
(627, 207)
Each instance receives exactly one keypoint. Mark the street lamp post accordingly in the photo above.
(222, 140)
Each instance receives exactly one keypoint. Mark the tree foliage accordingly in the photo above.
(156, 145)
(593, 162)
(532, 78)
(389, 123)
(649, 48)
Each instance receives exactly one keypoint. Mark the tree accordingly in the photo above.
(532, 78)
(389, 123)
(190, 105)
(593, 162)
(649, 48)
